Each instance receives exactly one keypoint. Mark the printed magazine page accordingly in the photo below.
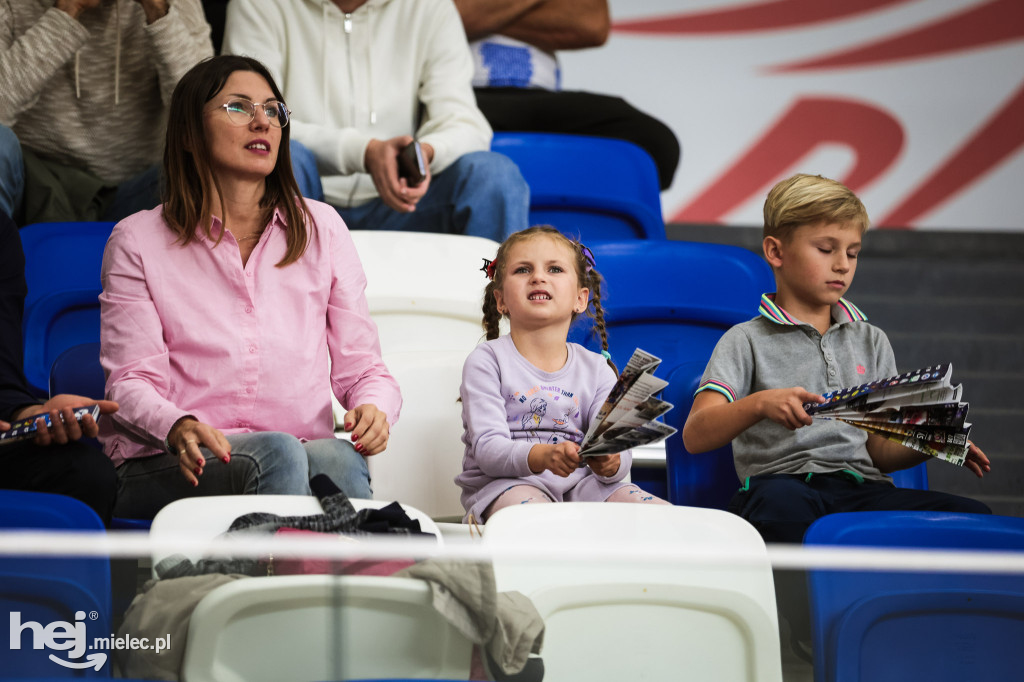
(627, 418)
(906, 384)
(627, 438)
(920, 410)
(953, 453)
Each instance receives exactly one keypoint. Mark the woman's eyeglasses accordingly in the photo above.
(241, 112)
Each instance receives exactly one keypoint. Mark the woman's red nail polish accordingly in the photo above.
(348, 426)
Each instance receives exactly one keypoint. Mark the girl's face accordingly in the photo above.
(540, 285)
(247, 150)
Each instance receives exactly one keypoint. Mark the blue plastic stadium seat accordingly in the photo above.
(673, 298)
(77, 370)
(882, 626)
(704, 480)
(591, 187)
(48, 590)
(62, 271)
(915, 477)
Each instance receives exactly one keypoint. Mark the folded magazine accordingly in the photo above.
(921, 410)
(628, 417)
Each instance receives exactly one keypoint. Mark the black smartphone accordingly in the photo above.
(411, 165)
(26, 428)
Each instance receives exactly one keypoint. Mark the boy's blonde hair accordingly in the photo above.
(811, 200)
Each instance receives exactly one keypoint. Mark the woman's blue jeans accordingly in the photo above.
(266, 463)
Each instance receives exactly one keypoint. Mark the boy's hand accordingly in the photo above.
(786, 406)
(561, 459)
(977, 461)
(604, 465)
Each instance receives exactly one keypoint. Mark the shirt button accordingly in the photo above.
(832, 372)
(252, 349)
(248, 389)
(248, 308)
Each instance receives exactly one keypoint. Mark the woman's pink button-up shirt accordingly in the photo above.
(189, 330)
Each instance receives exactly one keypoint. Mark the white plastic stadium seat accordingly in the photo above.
(424, 290)
(425, 293)
(315, 627)
(702, 621)
(424, 452)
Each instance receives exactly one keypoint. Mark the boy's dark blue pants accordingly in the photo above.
(782, 506)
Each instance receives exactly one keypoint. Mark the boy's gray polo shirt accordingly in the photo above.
(775, 350)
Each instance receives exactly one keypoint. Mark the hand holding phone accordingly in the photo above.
(27, 428)
(411, 164)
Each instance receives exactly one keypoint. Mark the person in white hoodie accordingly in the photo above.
(85, 84)
(363, 78)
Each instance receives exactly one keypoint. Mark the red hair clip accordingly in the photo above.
(488, 268)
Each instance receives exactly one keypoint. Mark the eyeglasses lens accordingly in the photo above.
(242, 111)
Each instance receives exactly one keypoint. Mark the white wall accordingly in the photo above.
(941, 71)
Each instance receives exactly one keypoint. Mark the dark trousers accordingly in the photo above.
(75, 469)
(581, 113)
(782, 507)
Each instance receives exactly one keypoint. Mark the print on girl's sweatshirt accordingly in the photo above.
(534, 418)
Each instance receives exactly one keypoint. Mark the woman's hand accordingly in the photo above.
(604, 465)
(64, 428)
(187, 436)
(370, 429)
(561, 459)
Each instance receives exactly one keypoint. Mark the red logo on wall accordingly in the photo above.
(874, 135)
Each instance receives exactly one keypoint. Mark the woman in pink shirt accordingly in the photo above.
(232, 311)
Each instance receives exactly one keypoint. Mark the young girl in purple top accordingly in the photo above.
(528, 397)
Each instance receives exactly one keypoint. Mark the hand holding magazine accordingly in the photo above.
(920, 410)
(627, 418)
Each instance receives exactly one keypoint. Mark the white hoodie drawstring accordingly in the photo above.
(323, 60)
(369, 62)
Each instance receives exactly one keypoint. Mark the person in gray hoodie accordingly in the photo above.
(85, 88)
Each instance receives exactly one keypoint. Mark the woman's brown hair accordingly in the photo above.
(189, 181)
(586, 274)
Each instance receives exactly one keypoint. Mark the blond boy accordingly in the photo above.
(807, 340)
